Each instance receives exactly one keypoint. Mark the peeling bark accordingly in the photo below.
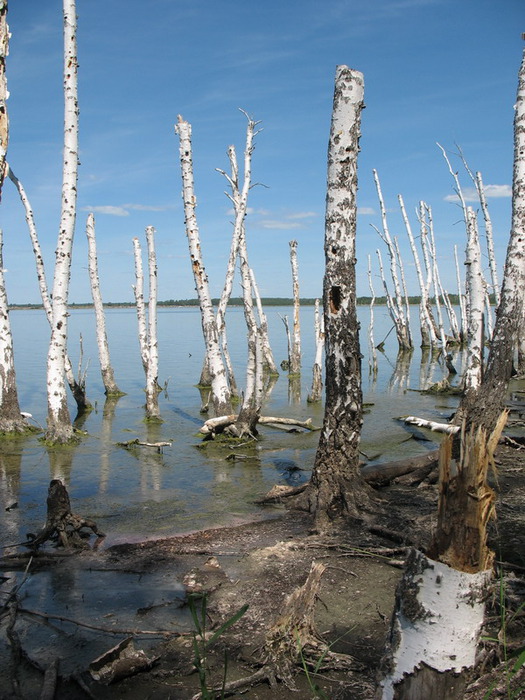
(336, 488)
(220, 391)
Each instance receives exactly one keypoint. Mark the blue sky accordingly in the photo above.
(435, 71)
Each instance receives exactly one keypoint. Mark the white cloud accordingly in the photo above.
(124, 209)
(284, 225)
(366, 211)
(491, 191)
(302, 215)
(111, 210)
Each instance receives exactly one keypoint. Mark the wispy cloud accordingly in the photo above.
(302, 215)
(124, 209)
(108, 209)
(491, 192)
(366, 211)
(283, 225)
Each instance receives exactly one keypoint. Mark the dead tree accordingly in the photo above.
(316, 392)
(398, 309)
(59, 428)
(476, 296)
(295, 355)
(106, 369)
(10, 418)
(239, 199)
(147, 323)
(61, 523)
(4, 119)
(78, 389)
(444, 592)
(428, 335)
(220, 391)
(336, 488)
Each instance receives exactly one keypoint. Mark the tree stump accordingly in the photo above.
(61, 522)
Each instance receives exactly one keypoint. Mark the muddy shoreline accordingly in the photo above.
(258, 564)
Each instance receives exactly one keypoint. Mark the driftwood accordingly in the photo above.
(373, 474)
(136, 442)
(218, 424)
(431, 425)
(292, 641)
(61, 522)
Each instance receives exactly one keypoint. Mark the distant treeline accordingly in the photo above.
(237, 301)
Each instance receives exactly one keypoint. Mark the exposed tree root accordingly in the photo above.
(61, 522)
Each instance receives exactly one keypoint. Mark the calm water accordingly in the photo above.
(139, 493)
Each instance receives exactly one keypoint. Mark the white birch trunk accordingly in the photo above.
(78, 390)
(295, 357)
(11, 420)
(461, 298)
(476, 296)
(140, 304)
(316, 393)
(220, 391)
(428, 337)
(4, 94)
(371, 343)
(239, 198)
(59, 428)
(269, 361)
(402, 326)
(437, 625)
(106, 369)
(489, 237)
(152, 371)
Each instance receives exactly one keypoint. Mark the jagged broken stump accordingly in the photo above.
(61, 523)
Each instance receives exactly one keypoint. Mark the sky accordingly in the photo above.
(435, 71)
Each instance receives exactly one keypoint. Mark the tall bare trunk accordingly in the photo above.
(10, 418)
(59, 428)
(476, 296)
(316, 393)
(295, 356)
(147, 322)
(337, 487)
(106, 369)
(397, 312)
(220, 391)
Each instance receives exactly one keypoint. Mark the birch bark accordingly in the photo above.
(476, 295)
(220, 391)
(316, 393)
(10, 418)
(337, 488)
(59, 428)
(106, 369)
(428, 337)
(77, 388)
(295, 357)
(466, 502)
(399, 318)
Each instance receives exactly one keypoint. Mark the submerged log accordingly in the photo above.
(61, 522)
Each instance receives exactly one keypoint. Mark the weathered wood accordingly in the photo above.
(60, 521)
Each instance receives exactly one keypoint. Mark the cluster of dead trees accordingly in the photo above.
(458, 564)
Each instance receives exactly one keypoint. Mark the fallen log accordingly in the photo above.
(373, 474)
(431, 425)
(218, 424)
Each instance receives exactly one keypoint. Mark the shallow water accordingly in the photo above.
(137, 493)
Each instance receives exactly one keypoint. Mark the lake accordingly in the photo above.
(140, 493)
